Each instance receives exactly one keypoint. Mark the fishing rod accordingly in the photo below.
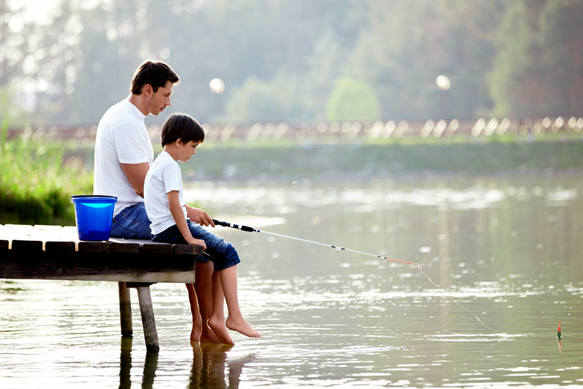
(419, 266)
(329, 245)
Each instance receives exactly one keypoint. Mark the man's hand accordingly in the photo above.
(199, 216)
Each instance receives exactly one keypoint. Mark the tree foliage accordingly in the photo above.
(352, 100)
(280, 59)
(538, 69)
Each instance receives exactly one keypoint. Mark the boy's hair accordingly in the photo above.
(153, 73)
(181, 126)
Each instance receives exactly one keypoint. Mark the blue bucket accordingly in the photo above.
(94, 214)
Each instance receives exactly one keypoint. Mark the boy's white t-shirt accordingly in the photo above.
(163, 176)
(122, 137)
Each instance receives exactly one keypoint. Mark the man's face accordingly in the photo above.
(160, 99)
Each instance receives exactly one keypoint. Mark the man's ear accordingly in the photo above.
(147, 90)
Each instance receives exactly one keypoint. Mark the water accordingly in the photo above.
(501, 267)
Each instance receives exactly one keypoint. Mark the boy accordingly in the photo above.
(165, 207)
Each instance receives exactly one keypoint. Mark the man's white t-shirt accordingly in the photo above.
(163, 176)
(122, 137)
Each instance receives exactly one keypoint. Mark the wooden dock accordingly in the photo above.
(55, 253)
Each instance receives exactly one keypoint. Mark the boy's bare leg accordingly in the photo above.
(204, 291)
(196, 318)
(217, 320)
(235, 321)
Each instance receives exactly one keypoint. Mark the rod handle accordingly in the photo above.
(236, 226)
(221, 223)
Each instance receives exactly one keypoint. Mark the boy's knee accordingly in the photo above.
(229, 250)
(229, 258)
(204, 269)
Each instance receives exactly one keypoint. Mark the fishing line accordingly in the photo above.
(329, 245)
(418, 265)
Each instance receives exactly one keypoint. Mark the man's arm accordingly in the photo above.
(136, 174)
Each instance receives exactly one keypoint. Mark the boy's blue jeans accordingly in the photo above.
(133, 223)
(222, 253)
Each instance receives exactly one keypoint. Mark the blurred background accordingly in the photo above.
(241, 61)
(288, 80)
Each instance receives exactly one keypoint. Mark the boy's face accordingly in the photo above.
(186, 150)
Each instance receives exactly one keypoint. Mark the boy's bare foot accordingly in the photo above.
(242, 327)
(208, 335)
(196, 333)
(194, 338)
(220, 330)
(216, 347)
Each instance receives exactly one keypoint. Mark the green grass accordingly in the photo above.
(37, 182)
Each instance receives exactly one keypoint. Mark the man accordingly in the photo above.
(123, 153)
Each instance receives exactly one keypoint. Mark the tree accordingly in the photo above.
(14, 47)
(562, 38)
(260, 101)
(54, 64)
(352, 100)
(538, 69)
(519, 58)
(406, 45)
(263, 41)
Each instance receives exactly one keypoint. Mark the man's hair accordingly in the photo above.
(154, 73)
(181, 126)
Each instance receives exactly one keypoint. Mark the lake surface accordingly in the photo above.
(502, 267)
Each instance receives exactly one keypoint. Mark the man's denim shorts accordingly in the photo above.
(132, 223)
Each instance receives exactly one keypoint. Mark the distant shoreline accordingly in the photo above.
(366, 161)
(40, 175)
(277, 160)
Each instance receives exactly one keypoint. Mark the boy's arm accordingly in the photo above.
(199, 216)
(176, 211)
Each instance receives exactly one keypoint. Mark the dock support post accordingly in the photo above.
(147, 311)
(125, 309)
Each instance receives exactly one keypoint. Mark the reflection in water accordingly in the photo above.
(125, 366)
(208, 367)
(125, 363)
(150, 365)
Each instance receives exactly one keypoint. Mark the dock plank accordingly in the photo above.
(158, 250)
(60, 248)
(27, 247)
(54, 252)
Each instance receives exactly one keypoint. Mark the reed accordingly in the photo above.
(37, 181)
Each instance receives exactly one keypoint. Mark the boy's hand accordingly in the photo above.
(197, 242)
(199, 216)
